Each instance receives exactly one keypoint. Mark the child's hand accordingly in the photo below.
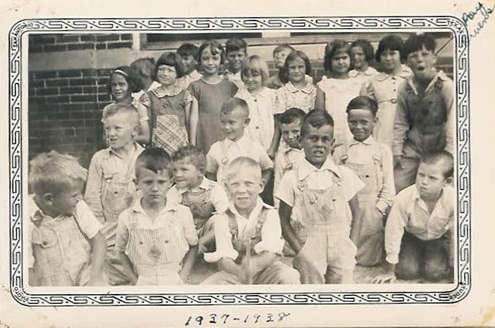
(387, 277)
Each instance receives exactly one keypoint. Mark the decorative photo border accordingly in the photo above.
(17, 156)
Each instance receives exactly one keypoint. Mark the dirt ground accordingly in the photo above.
(362, 275)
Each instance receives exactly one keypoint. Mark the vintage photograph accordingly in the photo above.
(275, 157)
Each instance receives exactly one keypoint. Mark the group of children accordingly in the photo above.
(267, 180)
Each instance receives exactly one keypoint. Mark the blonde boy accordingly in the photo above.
(110, 188)
(248, 234)
(66, 247)
(234, 118)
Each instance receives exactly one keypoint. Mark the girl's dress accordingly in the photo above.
(168, 117)
(210, 98)
(262, 108)
(338, 94)
(289, 96)
(384, 89)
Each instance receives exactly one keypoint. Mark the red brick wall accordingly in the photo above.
(67, 42)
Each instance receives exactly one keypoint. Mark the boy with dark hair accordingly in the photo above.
(236, 53)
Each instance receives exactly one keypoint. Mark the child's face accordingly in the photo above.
(279, 57)
(296, 70)
(316, 143)
(341, 63)
(244, 187)
(186, 174)
(358, 57)
(361, 123)
(235, 59)
(119, 130)
(210, 62)
(120, 88)
(187, 63)
(253, 80)
(65, 202)
(234, 123)
(390, 59)
(154, 186)
(422, 63)
(291, 133)
(430, 181)
(166, 75)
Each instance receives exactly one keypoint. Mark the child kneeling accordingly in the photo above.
(248, 233)
(156, 239)
(419, 234)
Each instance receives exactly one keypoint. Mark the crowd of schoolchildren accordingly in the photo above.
(212, 161)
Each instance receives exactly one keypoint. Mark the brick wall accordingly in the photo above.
(68, 42)
(65, 111)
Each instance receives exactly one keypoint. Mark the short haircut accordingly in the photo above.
(368, 50)
(129, 75)
(169, 59)
(416, 42)
(144, 67)
(188, 49)
(233, 103)
(316, 119)
(282, 47)
(193, 154)
(116, 108)
(154, 159)
(363, 102)
(390, 42)
(241, 164)
(216, 48)
(292, 115)
(332, 49)
(443, 158)
(54, 173)
(255, 64)
(235, 44)
(291, 57)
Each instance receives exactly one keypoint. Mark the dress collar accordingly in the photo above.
(308, 89)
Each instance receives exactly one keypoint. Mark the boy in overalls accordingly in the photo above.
(322, 195)
(66, 247)
(372, 162)
(110, 188)
(248, 234)
(156, 239)
(192, 189)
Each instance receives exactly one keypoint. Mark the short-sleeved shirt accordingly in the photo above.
(361, 76)
(179, 216)
(235, 78)
(187, 79)
(318, 179)
(271, 232)
(225, 151)
(410, 213)
(289, 96)
(262, 108)
(217, 196)
(85, 219)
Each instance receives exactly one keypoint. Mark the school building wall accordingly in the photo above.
(68, 76)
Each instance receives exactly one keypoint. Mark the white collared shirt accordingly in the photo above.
(361, 76)
(262, 107)
(289, 96)
(271, 232)
(410, 213)
(185, 80)
(223, 152)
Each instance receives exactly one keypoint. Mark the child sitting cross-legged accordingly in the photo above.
(419, 234)
(248, 233)
(194, 190)
(156, 239)
(66, 246)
